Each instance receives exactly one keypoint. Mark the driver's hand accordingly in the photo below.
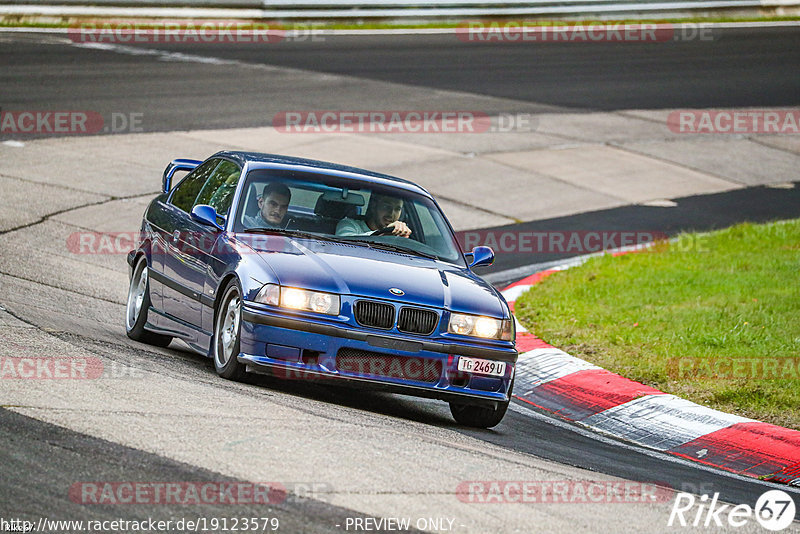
(400, 229)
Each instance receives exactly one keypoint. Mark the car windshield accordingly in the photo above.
(316, 205)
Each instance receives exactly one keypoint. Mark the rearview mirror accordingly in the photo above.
(344, 197)
(206, 215)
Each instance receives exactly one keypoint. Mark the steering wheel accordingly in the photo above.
(384, 231)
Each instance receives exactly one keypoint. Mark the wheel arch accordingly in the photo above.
(137, 257)
(223, 283)
(143, 250)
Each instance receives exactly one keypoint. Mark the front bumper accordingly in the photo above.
(303, 349)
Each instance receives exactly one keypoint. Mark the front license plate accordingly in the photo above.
(482, 367)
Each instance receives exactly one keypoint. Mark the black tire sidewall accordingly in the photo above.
(232, 368)
(137, 331)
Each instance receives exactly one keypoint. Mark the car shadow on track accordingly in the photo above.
(426, 411)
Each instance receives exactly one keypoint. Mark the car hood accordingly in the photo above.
(361, 271)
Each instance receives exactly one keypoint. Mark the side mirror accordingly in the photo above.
(481, 256)
(175, 166)
(206, 215)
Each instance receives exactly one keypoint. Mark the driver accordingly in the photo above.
(383, 211)
(273, 205)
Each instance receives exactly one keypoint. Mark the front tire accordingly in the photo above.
(227, 329)
(138, 306)
(480, 416)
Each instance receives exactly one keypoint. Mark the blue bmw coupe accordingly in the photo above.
(303, 269)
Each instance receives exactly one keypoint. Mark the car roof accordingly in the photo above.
(258, 160)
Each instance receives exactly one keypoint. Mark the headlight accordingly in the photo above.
(299, 299)
(269, 294)
(479, 326)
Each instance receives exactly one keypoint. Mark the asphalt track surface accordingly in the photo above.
(748, 67)
(740, 68)
(723, 68)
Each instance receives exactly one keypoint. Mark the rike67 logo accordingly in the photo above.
(774, 510)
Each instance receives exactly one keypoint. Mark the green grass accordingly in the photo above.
(729, 298)
(22, 21)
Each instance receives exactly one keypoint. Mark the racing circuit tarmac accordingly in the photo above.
(162, 415)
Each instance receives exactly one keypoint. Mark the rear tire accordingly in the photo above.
(138, 306)
(227, 329)
(480, 416)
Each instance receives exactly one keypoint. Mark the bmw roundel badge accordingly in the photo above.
(395, 291)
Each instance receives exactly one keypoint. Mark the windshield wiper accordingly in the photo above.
(325, 237)
(292, 233)
(394, 248)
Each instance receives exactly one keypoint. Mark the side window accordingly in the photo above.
(186, 191)
(429, 226)
(430, 232)
(219, 189)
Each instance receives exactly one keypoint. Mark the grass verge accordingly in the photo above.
(713, 318)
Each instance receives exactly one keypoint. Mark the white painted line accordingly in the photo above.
(540, 366)
(28, 29)
(660, 203)
(523, 409)
(160, 54)
(234, 14)
(182, 12)
(781, 185)
(661, 421)
(700, 25)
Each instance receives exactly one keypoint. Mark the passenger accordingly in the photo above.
(273, 204)
(382, 211)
